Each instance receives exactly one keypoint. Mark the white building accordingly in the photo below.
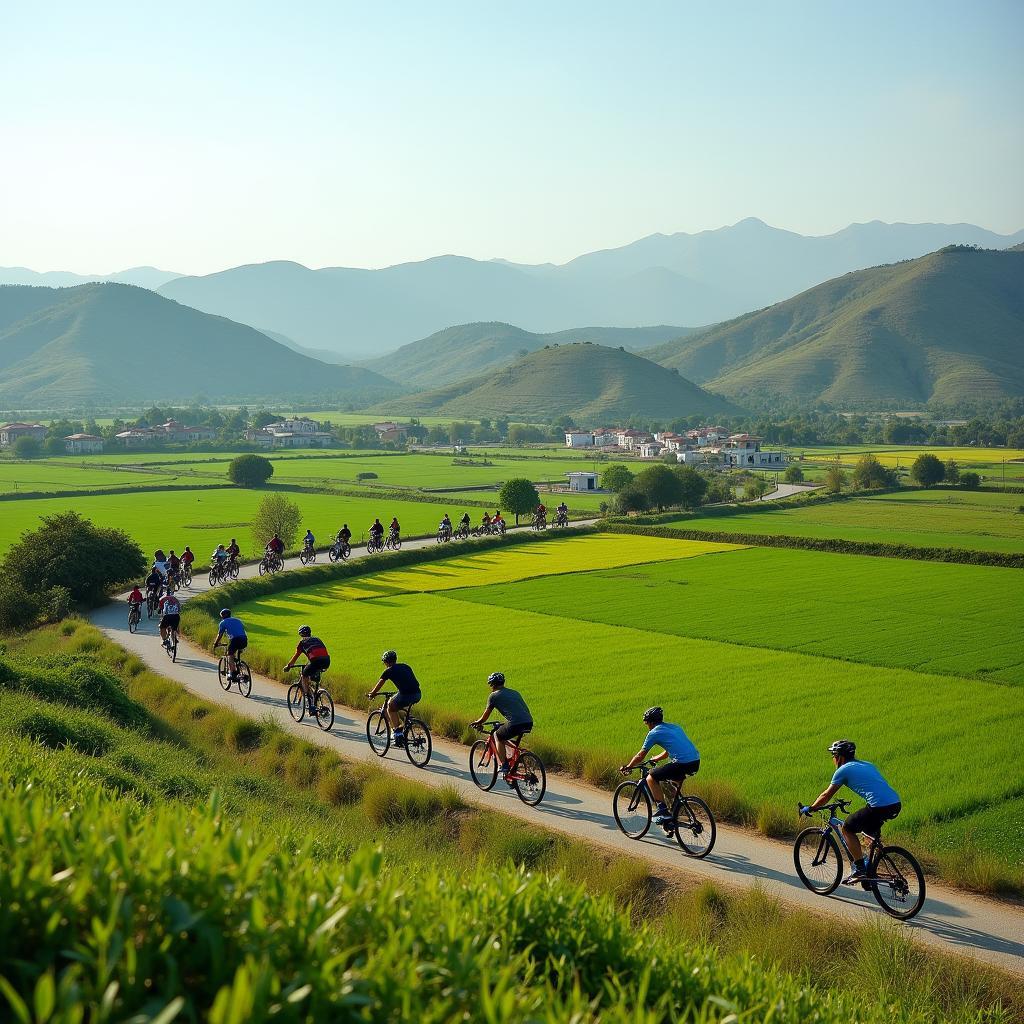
(649, 449)
(604, 437)
(698, 457)
(579, 439)
(10, 432)
(629, 439)
(582, 481)
(744, 450)
(83, 444)
(298, 425)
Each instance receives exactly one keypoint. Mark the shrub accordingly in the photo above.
(27, 448)
(952, 472)
(631, 499)
(276, 514)
(794, 474)
(835, 479)
(970, 480)
(518, 496)
(927, 470)
(616, 477)
(869, 473)
(366, 476)
(250, 470)
(392, 801)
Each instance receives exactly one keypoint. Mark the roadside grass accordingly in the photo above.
(880, 611)
(241, 893)
(983, 520)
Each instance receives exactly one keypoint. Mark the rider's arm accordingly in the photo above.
(220, 633)
(376, 687)
(295, 657)
(639, 756)
(484, 715)
(825, 796)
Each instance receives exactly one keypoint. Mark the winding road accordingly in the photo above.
(951, 921)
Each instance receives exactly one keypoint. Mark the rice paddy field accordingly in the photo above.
(56, 475)
(984, 520)
(765, 656)
(992, 463)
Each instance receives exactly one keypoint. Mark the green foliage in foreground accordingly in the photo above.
(131, 887)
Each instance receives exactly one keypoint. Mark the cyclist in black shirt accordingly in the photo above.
(408, 688)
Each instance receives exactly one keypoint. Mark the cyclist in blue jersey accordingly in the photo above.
(882, 801)
(678, 751)
(237, 640)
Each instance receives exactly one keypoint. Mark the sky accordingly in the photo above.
(198, 136)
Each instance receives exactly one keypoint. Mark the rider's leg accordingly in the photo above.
(656, 791)
(853, 845)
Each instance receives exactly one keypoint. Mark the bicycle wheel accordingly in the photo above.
(233, 571)
(899, 888)
(244, 679)
(133, 622)
(345, 552)
(482, 766)
(187, 578)
(397, 544)
(212, 579)
(694, 826)
(222, 674)
(529, 779)
(332, 553)
(631, 806)
(418, 745)
(303, 557)
(378, 732)
(818, 860)
(296, 702)
(174, 647)
(324, 709)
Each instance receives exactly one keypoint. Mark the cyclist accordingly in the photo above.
(309, 540)
(377, 530)
(135, 598)
(464, 521)
(187, 558)
(676, 748)
(170, 616)
(233, 550)
(173, 568)
(219, 559)
(154, 582)
(511, 706)
(445, 526)
(344, 535)
(237, 640)
(394, 528)
(485, 522)
(882, 801)
(562, 512)
(409, 693)
(497, 523)
(276, 545)
(540, 513)
(317, 660)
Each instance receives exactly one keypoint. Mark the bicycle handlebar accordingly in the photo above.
(637, 767)
(843, 806)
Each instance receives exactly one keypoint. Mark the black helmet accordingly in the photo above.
(389, 656)
(843, 748)
(655, 715)
(305, 631)
(225, 613)
(496, 679)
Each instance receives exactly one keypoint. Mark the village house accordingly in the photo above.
(704, 436)
(139, 437)
(576, 438)
(264, 438)
(10, 432)
(391, 432)
(745, 450)
(83, 444)
(630, 439)
(582, 481)
(605, 436)
(299, 432)
(649, 449)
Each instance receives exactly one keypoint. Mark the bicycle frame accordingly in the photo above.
(645, 771)
(834, 825)
(492, 750)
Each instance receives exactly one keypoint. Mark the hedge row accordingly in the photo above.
(834, 545)
(85, 493)
(990, 488)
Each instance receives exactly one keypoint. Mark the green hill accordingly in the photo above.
(468, 350)
(591, 382)
(946, 327)
(114, 343)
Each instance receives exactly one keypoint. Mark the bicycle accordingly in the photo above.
(152, 603)
(375, 544)
(243, 675)
(319, 703)
(270, 563)
(692, 824)
(562, 519)
(462, 533)
(894, 876)
(307, 556)
(394, 541)
(416, 733)
(134, 617)
(444, 534)
(540, 523)
(218, 573)
(172, 650)
(186, 574)
(340, 549)
(525, 772)
(499, 527)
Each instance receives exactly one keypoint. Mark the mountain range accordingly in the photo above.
(947, 327)
(143, 277)
(113, 344)
(688, 279)
(592, 383)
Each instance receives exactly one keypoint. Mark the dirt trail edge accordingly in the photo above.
(951, 921)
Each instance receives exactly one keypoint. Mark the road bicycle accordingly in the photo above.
(307, 556)
(171, 649)
(319, 705)
(186, 574)
(218, 573)
(270, 563)
(340, 549)
(394, 541)
(375, 544)
(540, 522)
(152, 603)
(461, 532)
(525, 773)
(134, 617)
(893, 876)
(415, 733)
(692, 822)
(242, 677)
(444, 534)
(562, 519)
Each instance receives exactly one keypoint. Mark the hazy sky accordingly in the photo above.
(196, 136)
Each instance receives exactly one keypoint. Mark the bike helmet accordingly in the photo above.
(389, 656)
(305, 631)
(225, 613)
(655, 715)
(843, 748)
(496, 678)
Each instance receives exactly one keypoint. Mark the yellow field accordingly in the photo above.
(895, 456)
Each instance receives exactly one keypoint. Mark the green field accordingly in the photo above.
(56, 475)
(984, 520)
(993, 464)
(591, 651)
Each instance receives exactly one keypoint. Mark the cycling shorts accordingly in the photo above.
(170, 621)
(675, 771)
(405, 700)
(237, 643)
(870, 820)
(316, 666)
(513, 732)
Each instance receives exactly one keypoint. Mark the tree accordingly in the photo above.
(27, 448)
(631, 499)
(250, 470)
(869, 472)
(276, 514)
(520, 433)
(756, 489)
(67, 559)
(794, 474)
(692, 485)
(55, 446)
(927, 470)
(835, 478)
(970, 480)
(616, 477)
(518, 496)
(952, 472)
(660, 486)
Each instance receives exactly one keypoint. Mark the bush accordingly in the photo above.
(952, 472)
(835, 479)
(631, 499)
(65, 729)
(970, 480)
(276, 514)
(794, 474)
(250, 470)
(616, 478)
(366, 476)
(870, 473)
(27, 448)
(927, 470)
(518, 496)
